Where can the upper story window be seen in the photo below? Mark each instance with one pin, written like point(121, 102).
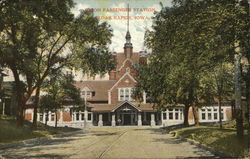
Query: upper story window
point(87, 94)
point(125, 94)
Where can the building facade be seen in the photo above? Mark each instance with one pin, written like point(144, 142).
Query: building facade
point(110, 102)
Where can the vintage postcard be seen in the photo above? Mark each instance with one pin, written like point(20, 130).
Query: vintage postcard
point(124, 79)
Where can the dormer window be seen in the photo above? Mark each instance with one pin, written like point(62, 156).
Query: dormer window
point(125, 94)
point(86, 93)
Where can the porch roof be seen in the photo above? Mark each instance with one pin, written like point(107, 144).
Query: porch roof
point(113, 107)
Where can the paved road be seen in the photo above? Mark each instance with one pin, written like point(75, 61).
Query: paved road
point(110, 143)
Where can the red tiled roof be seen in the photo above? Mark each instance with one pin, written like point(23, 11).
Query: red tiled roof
point(99, 87)
point(102, 107)
point(120, 58)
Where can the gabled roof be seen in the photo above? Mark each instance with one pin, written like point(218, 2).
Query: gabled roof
point(125, 103)
point(120, 58)
point(113, 107)
point(125, 74)
point(100, 88)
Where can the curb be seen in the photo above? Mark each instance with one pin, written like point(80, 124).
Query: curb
point(193, 142)
point(37, 140)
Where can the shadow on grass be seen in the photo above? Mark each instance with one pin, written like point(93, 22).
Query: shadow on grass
point(54, 156)
point(104, 133)
point(10, 133)
point(221, 140)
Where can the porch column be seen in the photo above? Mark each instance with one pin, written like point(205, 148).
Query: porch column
point(139, 119)
point(100, 122)
point(152, 123)
point(113, 119)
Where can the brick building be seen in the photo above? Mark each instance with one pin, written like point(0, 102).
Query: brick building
point(109, 102)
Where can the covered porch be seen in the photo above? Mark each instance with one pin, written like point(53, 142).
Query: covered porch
point(127, 114)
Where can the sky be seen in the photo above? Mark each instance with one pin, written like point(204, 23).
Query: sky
point(114, 12)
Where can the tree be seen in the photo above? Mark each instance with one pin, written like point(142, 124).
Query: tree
point(220, 82)
point(38, 37)
point(188, 42)
point(60, 88)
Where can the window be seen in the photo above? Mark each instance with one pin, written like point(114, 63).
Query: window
point(89, 116)
point(164, 116)
point(176, 114)
point(52, 117)
point(170, 113)
point(215, 116)
point(222, 114)
point(121, 94)
point(88, 93)
point(84, 93)
point(82, 116)
point(209, 114)
point(203, 114)
point(41, 117)
point(131, 93)
point(77, 116)
point(125, 94)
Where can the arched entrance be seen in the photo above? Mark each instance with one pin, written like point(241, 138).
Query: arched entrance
point(126, 114)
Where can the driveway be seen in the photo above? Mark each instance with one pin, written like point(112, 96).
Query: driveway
point(108, 142)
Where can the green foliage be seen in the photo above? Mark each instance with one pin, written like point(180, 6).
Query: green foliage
point(39, 37)
point(190, 41)
point(60, 89)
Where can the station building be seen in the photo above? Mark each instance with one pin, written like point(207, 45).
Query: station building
point(110, 103)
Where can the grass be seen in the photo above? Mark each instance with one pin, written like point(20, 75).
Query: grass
point(10, 133)
point(221, 140)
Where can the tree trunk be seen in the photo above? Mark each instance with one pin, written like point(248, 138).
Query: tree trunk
point(46, 117)
point(186, 110)
point(248, 94)
point(56, 119)
point(195, 113)
point(37, 98)
point(20, 98)
point(248, 103)
point(238, 107)
point(220, 119)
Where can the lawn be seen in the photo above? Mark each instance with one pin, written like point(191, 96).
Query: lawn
point(9, 133)
point(221, 140)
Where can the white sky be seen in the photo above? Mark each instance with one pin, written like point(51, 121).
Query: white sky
point(137, 27)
